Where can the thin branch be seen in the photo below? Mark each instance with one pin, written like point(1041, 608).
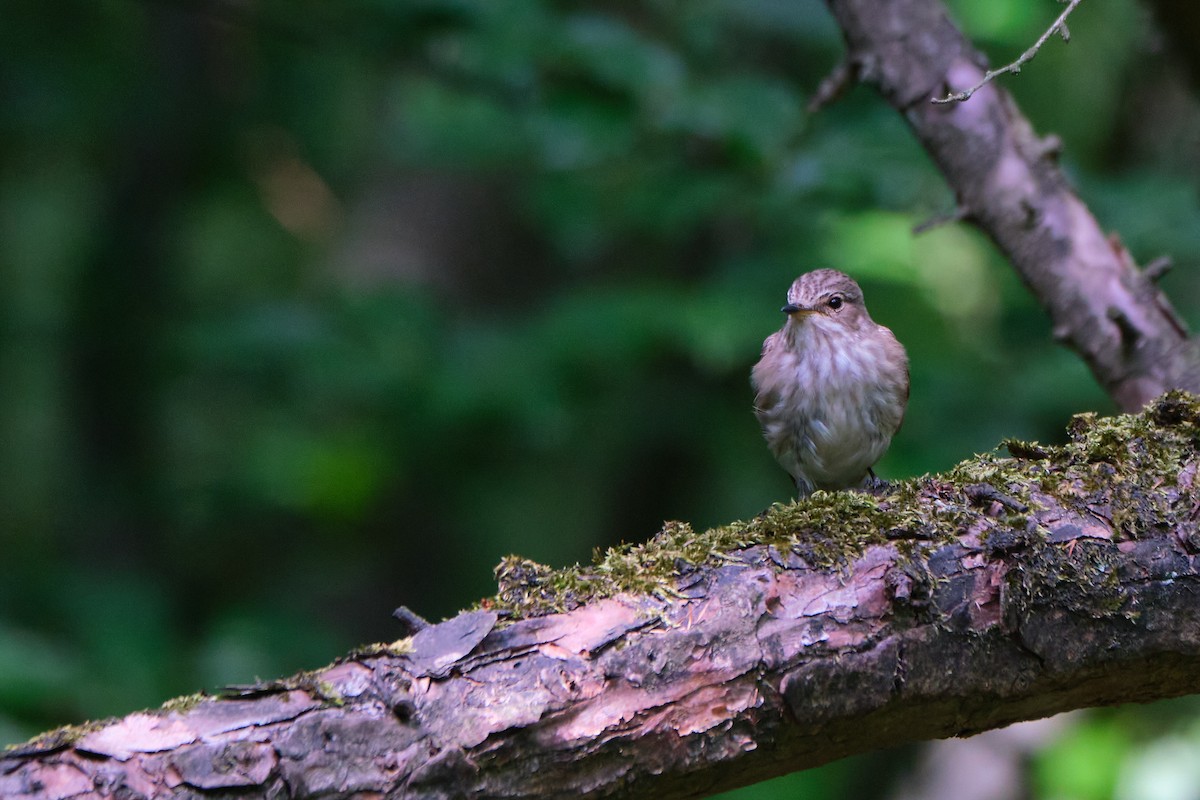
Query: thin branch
point(835, 84)
point(957, 214)
point(1059, 26)
point(1157, 269)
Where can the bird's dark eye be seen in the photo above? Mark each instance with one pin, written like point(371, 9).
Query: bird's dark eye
point(835, 302)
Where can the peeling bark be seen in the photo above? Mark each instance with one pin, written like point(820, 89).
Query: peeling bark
point(1009, 589)
point(1007, 181)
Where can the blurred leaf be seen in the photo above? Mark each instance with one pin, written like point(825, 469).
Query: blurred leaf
point(756, 117)
point(322, 477)
point(873, 244)
point(576, 135)
point(615, 56)
point(439, 126)
point(1165, 769)
point(1013, 23)
point(245, 645)
point(1083, 764)
point(33, 670)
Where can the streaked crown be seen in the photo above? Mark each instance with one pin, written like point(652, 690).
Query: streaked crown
point(811, 289)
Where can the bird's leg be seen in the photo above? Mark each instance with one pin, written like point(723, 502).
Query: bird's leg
point(873, 484)
point(804, 487)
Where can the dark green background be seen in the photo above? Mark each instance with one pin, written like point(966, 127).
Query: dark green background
point(311, 309)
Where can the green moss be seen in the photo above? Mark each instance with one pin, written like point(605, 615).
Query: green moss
point(1134, 459)
point(309, 681)
point(1081, 577)
point(186, 703)
point(58, 738)
point(327, 693)
point(826, 529)
point(396, 648)
point(1029, 451)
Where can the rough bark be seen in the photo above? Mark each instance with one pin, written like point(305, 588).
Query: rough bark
point(1007, 181)
point(1008, 589)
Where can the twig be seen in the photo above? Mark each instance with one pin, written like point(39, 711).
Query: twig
point(835, 84)
point(958, 214)
point(1059, 26)
point(1156, 269)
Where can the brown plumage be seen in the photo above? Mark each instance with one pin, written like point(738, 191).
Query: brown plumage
point(831, 386)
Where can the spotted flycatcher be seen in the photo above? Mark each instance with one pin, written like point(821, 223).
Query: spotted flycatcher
point(831, 386)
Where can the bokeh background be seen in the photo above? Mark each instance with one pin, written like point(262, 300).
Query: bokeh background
point(311, 309)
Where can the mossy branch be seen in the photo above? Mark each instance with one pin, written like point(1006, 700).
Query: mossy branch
point(1012, 587)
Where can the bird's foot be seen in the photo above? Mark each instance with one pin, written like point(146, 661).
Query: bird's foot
point(873, 484)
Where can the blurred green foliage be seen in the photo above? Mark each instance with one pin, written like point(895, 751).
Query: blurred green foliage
point(312, 309)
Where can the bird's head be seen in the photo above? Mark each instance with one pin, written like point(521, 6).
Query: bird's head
point(827, 297)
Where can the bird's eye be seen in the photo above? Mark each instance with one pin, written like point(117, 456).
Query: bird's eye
point(835, 302)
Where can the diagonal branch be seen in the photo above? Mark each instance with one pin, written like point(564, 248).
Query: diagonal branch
point(1008, 589)
point(1008, 183)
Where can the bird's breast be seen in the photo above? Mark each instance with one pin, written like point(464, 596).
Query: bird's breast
point(837, 401)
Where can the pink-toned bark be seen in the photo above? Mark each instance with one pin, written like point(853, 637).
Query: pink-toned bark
point(1007, 181)
point(970, 611)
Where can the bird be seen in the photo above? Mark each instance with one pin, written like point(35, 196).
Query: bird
point(831, 387)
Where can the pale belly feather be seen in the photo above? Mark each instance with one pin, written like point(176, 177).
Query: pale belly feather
point(836, 410)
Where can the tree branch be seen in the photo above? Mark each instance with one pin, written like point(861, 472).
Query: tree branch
point(1008, 589)
point(1060, 25)
point(1010, 185)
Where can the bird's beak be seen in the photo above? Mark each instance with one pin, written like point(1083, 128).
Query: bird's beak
point(792, 308)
